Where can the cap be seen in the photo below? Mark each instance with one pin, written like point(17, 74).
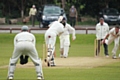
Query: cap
point(101, 18)
point(24, 28)
point(60, 18)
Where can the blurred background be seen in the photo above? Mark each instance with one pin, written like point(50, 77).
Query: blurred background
point(88, 10)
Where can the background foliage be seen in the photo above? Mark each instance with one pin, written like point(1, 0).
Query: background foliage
point(20, 8)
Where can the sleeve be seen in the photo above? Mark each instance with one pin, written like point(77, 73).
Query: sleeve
point(107, 28)
point(50, 24)
point(111, 31)
point(30, 12)
point(33, 39)
point(70, 28)
point(96, 31)
point(76, 12)
point(15, 40)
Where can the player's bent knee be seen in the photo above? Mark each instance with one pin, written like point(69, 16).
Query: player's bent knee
point(13, 61)
point(36, 62)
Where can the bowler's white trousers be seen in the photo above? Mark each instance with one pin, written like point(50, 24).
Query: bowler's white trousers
point(64, 44)
point(116, 43)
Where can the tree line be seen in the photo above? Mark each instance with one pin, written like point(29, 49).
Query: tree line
point(20, 8)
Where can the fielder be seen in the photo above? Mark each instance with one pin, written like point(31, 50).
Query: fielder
point(114, 34)
point(55, 28)
point(65, 39)
point(24, 44)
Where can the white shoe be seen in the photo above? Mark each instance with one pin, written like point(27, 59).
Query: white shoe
point(107, 56)
point(10, 78)
point(40, 78)
point(61, 56)
point(114, 57)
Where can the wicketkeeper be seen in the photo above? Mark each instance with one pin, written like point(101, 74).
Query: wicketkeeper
point(24, 45)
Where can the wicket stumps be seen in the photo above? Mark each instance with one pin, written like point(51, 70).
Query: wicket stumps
point(44, 53)
point(97, 52)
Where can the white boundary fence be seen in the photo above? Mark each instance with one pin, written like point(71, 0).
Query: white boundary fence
point(42, 30)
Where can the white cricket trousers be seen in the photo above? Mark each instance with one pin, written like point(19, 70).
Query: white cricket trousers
point(116, 43)
point(50, 39)
point(25, 48)
point(64, 44)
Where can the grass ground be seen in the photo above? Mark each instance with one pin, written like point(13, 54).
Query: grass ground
point(81, 54)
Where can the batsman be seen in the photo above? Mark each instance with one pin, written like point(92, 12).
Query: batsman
point(55, 29)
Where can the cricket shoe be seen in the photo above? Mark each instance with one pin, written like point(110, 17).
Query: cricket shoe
point(10, 78)
point(107, 56)
point(48, 61)
point(114, 57)
point(40, 78)
point(61, 56)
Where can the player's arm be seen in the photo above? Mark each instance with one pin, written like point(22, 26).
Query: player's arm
point(103, 41)
point(15, 40)
point(97, 32)
point(70, 28)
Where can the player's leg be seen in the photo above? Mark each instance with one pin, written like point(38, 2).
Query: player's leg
point(66, 46)
point(37, 62)
point(51, 48)
point(12, 63)
point(61, 46)
point(116, 45)
point(106, 50)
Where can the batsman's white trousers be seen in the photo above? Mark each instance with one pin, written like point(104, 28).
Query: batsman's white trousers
point(50, 40)
point(116, 43)
point(64, 44)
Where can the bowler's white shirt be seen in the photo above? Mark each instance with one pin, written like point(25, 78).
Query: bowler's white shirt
point(68, 29)
point(24, 36)
point(112, 32)
point(101, 30)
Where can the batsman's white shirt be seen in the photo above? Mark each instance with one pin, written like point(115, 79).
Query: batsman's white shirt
point(101, 30)
point(55, 28)
point(65, 36)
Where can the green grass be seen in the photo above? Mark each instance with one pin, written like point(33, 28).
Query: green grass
point(83, 46)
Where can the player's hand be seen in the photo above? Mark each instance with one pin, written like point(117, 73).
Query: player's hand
point(73, 38)
point(103, 41)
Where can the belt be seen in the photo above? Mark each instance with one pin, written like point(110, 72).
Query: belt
point(24, 40)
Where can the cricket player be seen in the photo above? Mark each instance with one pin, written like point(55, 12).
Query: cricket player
point(114, 34)
point(65, 39)
point(55, 28)
point(24, 44)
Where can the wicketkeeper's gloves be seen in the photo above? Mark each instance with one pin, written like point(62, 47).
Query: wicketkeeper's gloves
point(23, 60)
